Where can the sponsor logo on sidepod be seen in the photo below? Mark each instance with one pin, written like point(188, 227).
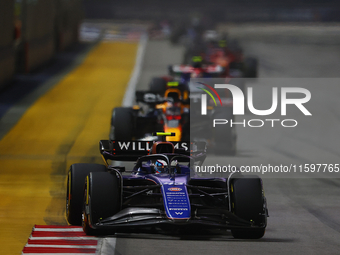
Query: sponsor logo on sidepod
point(174, 189)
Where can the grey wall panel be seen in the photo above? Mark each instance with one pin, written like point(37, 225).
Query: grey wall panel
point(6, 41)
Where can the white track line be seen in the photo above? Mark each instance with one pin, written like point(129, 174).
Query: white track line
point(130, 90)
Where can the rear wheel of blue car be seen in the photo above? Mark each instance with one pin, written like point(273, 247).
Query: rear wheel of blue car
point(101, 199)
point(247, 202)
point(75, 185)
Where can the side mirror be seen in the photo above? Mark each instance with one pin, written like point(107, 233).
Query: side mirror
point(105, 145)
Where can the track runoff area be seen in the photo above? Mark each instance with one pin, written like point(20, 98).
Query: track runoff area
point(62, 127)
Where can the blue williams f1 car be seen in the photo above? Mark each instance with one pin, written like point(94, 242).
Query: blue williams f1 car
point(162, 192)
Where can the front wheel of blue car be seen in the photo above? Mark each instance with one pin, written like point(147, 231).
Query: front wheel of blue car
point(248, 203)
point(75, 183)
point(101, 199)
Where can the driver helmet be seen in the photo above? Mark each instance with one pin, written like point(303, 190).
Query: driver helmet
point(160, 166)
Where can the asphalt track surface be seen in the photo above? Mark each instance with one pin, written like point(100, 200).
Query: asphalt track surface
point(304, 213)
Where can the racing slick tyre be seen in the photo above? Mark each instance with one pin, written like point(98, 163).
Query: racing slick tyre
point(251, 67)
point(158, 85)
point(101, 199)
point(122, 124)
point(247, 202)
point(75, 187)
point(224, 135)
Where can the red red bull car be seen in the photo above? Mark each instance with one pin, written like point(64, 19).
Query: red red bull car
point(168, 113)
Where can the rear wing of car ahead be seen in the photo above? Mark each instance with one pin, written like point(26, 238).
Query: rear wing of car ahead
point(149, 97)
point(186, 69)
point(131, 150)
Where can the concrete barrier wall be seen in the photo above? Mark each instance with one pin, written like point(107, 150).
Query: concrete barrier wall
point(6, 41)
point(219, 10)
point(67, 22)
point(50, 26)
point(38, 36)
